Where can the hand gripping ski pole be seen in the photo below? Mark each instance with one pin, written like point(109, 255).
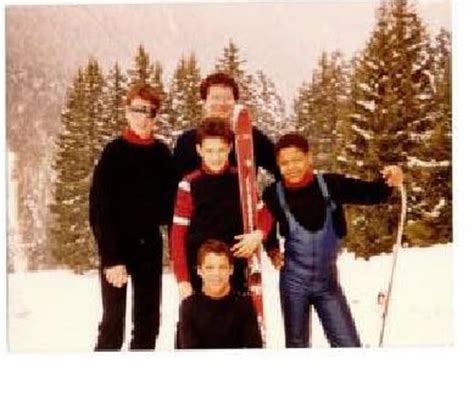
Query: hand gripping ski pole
point(396, 249)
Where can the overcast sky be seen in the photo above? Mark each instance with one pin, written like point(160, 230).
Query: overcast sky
point(283, 39)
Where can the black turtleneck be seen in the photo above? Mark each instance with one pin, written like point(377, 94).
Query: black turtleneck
point(228, 322)
point(130, 197)
point(216, 203)
point(308, 207)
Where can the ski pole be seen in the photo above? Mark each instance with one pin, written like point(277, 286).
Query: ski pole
point(396, 249)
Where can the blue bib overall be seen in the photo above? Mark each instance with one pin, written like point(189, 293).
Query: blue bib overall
point(309, 278)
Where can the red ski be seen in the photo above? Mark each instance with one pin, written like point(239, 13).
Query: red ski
point(248, 200)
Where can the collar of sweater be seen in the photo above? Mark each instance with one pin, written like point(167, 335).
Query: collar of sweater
point(131, 137)
point(208, 171)
point(306, 180)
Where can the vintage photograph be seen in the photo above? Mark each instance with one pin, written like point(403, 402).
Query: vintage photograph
point(188, 176)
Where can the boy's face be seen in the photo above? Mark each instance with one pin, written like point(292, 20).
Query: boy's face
point(219, 102)
point(294, 164)
point(141, 116)
point(214, 153)
point(215, 271)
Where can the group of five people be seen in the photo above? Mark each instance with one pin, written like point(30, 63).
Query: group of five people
point(139, 185)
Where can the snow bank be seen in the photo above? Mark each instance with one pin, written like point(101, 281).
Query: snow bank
point(57, 310)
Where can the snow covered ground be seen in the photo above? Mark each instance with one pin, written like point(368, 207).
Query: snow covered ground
point(56, 310)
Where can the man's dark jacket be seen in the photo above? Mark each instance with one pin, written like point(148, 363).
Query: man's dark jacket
point(187, 160)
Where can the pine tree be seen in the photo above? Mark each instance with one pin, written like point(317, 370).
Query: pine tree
point(320, 110)
point(442, 81)
point(113, 119)
point(142, 69)
point(435, 161)
point(270, 107)
point(303, 108)
point(96, 127)
point(233, 65)
point(270, 117)
point(185, 107)
point(391, 118)
point(163, 126)
point(193, 110)
point(370, 97)
point(77, 148)
point(156, 79)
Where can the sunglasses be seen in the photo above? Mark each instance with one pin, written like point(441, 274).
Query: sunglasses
point(150, 112)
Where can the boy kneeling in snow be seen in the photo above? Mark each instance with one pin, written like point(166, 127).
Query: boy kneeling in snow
point(217, 317)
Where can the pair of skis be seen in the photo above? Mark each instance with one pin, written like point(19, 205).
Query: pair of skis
point(242, 125)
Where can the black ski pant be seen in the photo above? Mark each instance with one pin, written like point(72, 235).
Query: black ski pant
point(146, 280)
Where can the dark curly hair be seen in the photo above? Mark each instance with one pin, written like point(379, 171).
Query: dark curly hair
point(214, 127)
point(213, 246)
point(292, 139)
point(219, 79)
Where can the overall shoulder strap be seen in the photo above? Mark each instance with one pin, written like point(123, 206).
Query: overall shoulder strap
point(324, 189)
point(281, 198)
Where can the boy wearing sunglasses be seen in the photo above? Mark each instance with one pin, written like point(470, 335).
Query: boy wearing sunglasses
point(130, 197)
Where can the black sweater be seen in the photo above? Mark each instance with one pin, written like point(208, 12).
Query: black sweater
point(187, 160)
point(130, 197)
point(308, 207)
point(229, 322)
point(217, 213)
